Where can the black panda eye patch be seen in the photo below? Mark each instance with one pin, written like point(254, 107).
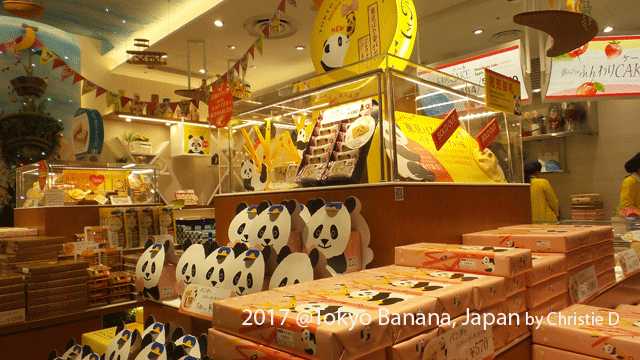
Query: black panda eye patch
point(193, 270)
point(144, 266)
point(241, 228)
point(339, 40)
point(262, 231)
point(334, 232)
point(153, 268)
point(249, 281)
point(210, 272)
point(221, 275)
point(236, 278)
point(275, 232)
point(283, 282)
point(184, 268)
point(317, 231)
point(327, 48)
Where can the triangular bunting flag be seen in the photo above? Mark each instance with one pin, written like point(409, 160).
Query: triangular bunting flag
point(259, 44)
point(100, 91)
point(37, 44)
point(196, 103)
point(151, 107)
point(112, 98)
point(266, 30)
point(45, 55)
point(293, 3)
point(173, 106)
point(236, 67)
point(184, 107)
point(124, 101)
point(57, 62)
point(87, 87)
point(252, 52)
point(77, 77)
point(244, 63)
point(282, 5)
point(67, 72)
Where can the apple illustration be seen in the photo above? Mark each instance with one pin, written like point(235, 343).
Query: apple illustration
point(613, 49)
point(579, 51)
point(590, 88)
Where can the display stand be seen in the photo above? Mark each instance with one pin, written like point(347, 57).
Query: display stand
point(168, 312)
point(401, 213)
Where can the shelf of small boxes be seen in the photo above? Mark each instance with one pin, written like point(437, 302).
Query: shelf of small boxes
point(107, 287)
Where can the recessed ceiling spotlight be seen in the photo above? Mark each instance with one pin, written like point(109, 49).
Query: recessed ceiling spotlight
point(231, 47)
point(66, 58)
point(124, 21)
point(299, 47)
point(478, 31)
point(535, 91)
point(607, 29)
point(252, 66)
point(106, 9)
point(164, 56)
point(168, 123)
point(218, 23)
point(127, 119)
point(202, 71)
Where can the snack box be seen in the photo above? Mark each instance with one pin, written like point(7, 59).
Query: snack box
point(11, 279)
point(488, 291)
point(579, 257)
point(17, 244)
point(55, 309)
point(540, 352)
point(598, 232)
point(337, 325)
point(516, 284)
point(12, 297)
point(9, 289)
point(603, 264)
point(487, 260)
point(603, 249)
point(56, 291)
point(69, 278)
point(13, 305)
point(54, 267)
point(503, 335)
point(555, 304)
point(536, 239)
point(12, 316)
point(542, 292)
point(6, 232)
point(615, 296)
point(602, 333)
point(414, 348)
point(56, 298)
point(516, 303)
point(606, 278)
point(545, 266)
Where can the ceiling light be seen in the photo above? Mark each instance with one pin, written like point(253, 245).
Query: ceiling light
point(49, 99)
point(535, 91)
point(202, 71)
point(128, 119)
point(106, 9)
point(231, 47)
point(607, 29)
point(218, 23)
point(299, 47)
point(252, 66)
point(164, 56)
point(168, 123)
point(478, 31)
point(124, 21)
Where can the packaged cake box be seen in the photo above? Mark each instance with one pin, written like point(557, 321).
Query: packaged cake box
point(545, 266)
point(579, 257)
point(538, 240)
point(487, 260)
point(318, 325)
point(487, 290)
point(592, 331)
point(540, 352)
point(546, 290)
point(516, 303)
point(516, 284)
point(604, 264)
point(602, 249)
point(598, 232)
point(555, 304)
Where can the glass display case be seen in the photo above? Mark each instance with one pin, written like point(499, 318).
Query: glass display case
point(86, 183)
point(367, 123)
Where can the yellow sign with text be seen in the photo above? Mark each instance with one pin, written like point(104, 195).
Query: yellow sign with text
point(502, 93)
point(459, 159)
point(96, 180)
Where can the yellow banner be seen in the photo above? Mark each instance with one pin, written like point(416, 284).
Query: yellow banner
point(502, 93)
point(96, 180)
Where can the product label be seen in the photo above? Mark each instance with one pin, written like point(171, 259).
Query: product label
point(543, 244)
point(502, 93)
point(470, 342)
point(467, 264)
point(583, 284)
point(629, 261)
point(488, 134)
point(286, 338)
point(448, 127)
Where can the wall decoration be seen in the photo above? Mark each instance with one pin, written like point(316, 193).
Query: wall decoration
point(87, 131)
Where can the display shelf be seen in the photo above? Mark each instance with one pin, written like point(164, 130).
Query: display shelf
point(555, 135)
point(152, 120)
point(515, 348)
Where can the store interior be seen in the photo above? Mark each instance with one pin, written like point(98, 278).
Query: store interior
point(320, 179)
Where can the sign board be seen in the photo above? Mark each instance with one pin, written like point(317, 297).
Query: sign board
point(629, 261)
point(468, 342)
point(220, 105)
point(583, 284)
point(502, 93)
point(488, 134)
point(446, 129)
point(506, 60)
point(604, 67)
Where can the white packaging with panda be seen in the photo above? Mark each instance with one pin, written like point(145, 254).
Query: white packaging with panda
point(155, 277)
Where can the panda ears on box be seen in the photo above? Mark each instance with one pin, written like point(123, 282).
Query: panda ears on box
point(86, 350)
point(351, 203)
point(264, 205)
point(202, 341)
point(186, 244)
point(314, 205)
point(177, 334)
point(190, 136)
point(146, 340)
point(149, 321)
point(314, 256)
point(209, 247)
point(239, 248)
point(70, 344)
point(148, 244)
point(119, 327)
point(135, 334)
point(178, 353)
point(241, 207)
point(53, 355)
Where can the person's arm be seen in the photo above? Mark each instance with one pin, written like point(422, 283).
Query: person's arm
point(551, 197)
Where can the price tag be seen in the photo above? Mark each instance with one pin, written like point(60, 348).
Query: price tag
point(488, 134)
point(446, 129)
point(198, 300)
point(583, 284)
point(629, 261)
point(470, 342)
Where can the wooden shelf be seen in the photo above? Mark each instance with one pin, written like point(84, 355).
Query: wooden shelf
point(555, 135)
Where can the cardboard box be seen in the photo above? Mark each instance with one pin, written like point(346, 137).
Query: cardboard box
point(14, 316)
point(538, 240)
point(222, 345)
point(545, 266)
point(54, 267)
point(45, 284)
point(542, 292)
point(606, 278)
point(555, 304)
point(579, 257)
point(606, 263)
point(516, 284)
point(12, 297)
point(600, 335)
point(598, 233)
point(487, 290)
point(8, 289)
point(486, 260)
point(540, 352)
point(11, 279)
point(6, 232)
point(56, 309)
point(60, 297)
point(56, 291)
point(13, 305)
point(615, 296)
point(516, 303)
point(602, 249)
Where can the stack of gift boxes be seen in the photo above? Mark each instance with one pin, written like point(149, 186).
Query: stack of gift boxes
point(12, 302)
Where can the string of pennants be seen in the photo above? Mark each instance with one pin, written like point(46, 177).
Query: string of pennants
point(240, 67)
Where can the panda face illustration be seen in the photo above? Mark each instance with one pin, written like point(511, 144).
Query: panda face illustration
point(247, 169)
point(365, 334)
point(320, 310)
point(301, 139)
point(294, 269)
point(197, 144)
point(150, 264)
point(240, 225)
point(454, 275)
point(489, 264)
point(419, 284)
point(120, 347)
point(382, 298)
point(190, 264)
point(273, 227)
point(217, 271)
point(334, 50)
point(610, 350)
point(91, 356)
point(329, 228)
point(249, 276)
point(309, 341)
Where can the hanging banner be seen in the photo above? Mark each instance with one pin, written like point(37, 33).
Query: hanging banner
point(604, 67)
point(220, 105)
point(506, 60)
point(502, 93)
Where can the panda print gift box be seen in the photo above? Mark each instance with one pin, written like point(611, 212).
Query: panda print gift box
point(507, 262)
point(538, 240)
point(599, 332)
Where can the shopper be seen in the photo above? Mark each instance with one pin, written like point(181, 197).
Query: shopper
point(630, 189)
point(544, 202)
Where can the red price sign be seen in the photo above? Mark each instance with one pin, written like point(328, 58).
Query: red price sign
point(488, 134)
point(446, 129)
point(220, 105)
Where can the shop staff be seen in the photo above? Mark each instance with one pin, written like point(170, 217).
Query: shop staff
point(630, 189)
point(544, 202)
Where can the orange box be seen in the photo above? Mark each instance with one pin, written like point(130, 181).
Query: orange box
point(598, 233)
point(579, 257)
point(546, 266)
point(556, 304)
point(486, 260)
point(608, 262)
point(602, 249)
point(516, 284)
point(542, 292)
point(516, 303)
point(536, 239)
point(540, 352)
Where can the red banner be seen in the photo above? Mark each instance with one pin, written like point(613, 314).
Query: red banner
point(220, 105)
point(488, 134)
point(446, 129)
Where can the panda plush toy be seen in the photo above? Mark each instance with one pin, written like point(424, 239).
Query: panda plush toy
point(149, 267)
point(409, 166)
point(251, 180)
point(197, 144)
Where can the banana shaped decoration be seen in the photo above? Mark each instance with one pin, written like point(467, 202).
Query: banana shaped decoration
point(27, 40)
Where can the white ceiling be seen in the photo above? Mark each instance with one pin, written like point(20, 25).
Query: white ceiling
point(446, 32)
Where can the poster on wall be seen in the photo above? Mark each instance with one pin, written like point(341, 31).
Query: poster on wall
point(506, 60)
point(604, 67)
point(502, 93)
point(220, 105)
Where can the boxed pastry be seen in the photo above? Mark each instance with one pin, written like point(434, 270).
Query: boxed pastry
point(414, 348)
point(544, 291)
point(337, 325)
point(591, 331)
point(608, 262)
point(516, 284)
point(56, 297)
point(10, 279)
point(606, 278)
point(555, 304)
point(579, 257)
point(6, 232)
point(55, 309)
point(598, 232)
point(602, 249)
point(12, 316)
point(487, 290)
point(54, 267)
point(9, 289)
point(516, 303)
point(538, 240)
point(615, 296)
point(72, 276)
point(488, 260)
point(545, 266)
point(540, 352)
